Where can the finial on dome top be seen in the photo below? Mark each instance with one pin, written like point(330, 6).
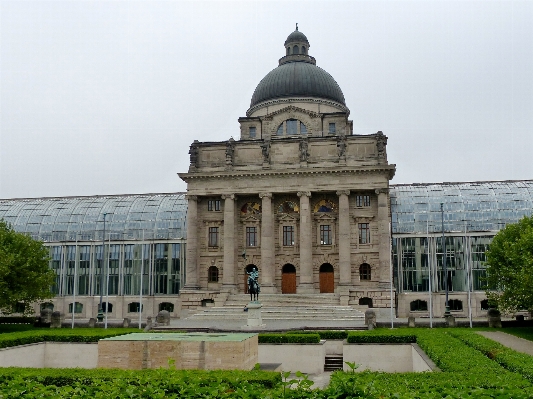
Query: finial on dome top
point(296, 25)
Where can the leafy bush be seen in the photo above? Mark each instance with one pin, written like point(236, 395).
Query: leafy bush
point(289, 338)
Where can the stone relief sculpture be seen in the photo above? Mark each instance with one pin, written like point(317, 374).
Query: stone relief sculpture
point(193, 152)
point(341, 146)
point(265, 149)
point(304, 154)
point(230, 151)
point(381, 143)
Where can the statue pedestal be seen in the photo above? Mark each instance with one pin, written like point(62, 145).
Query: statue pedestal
point(254, 317)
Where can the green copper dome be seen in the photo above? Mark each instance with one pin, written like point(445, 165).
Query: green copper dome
point(297, 79)
point(297, 76)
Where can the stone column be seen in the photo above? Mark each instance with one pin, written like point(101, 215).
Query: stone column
point(267, 244)
point(306, 245)
point(383, 274)
point(228, 273)
point(345, 272)
point(191, 265)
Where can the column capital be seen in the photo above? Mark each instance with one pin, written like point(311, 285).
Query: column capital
point(267, 195)
point(304, 193)
point(341, 192)
point(228, 196)
point(382, 190)
point(191, 197)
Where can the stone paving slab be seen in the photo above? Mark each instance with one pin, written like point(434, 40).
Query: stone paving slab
point(511, 341)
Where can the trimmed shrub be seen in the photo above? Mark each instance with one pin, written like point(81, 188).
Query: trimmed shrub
point(289, 338)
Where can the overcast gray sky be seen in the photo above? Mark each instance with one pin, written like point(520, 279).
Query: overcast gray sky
point(104, 97)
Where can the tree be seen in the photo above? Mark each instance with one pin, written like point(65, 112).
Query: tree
point(510, 267)
point(25, 276)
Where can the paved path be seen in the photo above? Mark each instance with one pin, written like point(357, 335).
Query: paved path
point(511, 341)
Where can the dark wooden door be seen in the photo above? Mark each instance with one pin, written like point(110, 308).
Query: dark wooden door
point(288, 283)
point(326, 282)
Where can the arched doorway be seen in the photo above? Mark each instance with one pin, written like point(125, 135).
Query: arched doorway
point(288, 279)
point(327, 284)
point(248, 269)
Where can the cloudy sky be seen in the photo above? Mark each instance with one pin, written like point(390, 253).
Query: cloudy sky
point(104, 97)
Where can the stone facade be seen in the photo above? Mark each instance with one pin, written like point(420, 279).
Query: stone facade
point(299, 196)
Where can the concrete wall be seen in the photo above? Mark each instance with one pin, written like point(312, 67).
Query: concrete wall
point(307, 358)
point(390, 358)
point(51, 354)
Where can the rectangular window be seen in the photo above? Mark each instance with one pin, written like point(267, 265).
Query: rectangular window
point(252, 132)
point(213, 205)
point(325, 234)
point(362, 200)
point(213, 236)
point(251, 236)
point(364, 233)
point(288, 236)
point(332, 128)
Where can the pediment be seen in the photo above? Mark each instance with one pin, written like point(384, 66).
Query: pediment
point(291, 109)
point(288, 217)
point(251, 219)
point(325, 216)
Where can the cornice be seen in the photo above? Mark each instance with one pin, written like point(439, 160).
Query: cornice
point(268, 103)
point(390, 169)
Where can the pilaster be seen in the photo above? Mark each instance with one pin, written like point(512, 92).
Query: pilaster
point(383, 275)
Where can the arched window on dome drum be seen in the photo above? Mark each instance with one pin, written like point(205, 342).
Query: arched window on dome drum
point(295, 50)
point(292, 127)
point(288, 51)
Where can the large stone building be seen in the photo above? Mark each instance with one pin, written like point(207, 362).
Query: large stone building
point(303, 198)
point(300, 197)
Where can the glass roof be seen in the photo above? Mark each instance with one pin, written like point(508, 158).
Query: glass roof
point(476, 206)
point(129, 217)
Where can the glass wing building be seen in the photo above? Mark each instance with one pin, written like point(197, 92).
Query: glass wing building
point(145, 239)
point(144, 242)
point(470, 216)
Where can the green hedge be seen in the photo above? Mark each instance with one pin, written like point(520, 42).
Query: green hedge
point(508, 358)
point(17, 320)
point(357, 338)
point(60, 335)
point(289, 338)
point(324, 334)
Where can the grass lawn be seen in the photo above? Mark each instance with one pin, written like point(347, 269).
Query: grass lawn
point(522, 332)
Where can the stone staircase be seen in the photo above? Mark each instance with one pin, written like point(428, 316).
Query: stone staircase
point(283, 307)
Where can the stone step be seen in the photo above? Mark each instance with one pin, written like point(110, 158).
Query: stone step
point(322, 312)
point(332, 363)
